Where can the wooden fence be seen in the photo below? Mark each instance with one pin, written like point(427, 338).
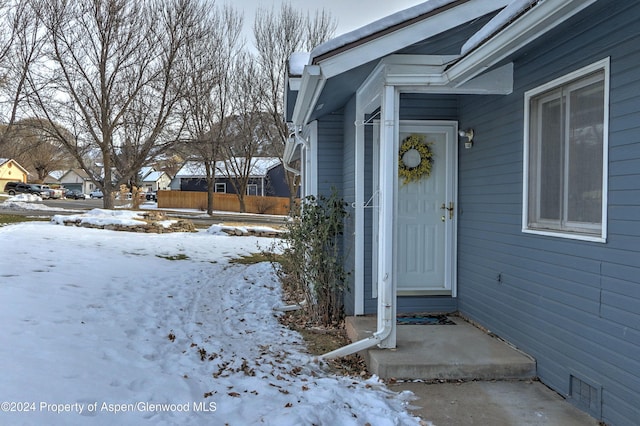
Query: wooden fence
point(222, 202)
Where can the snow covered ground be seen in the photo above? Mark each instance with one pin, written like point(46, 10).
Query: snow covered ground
point(103, 327)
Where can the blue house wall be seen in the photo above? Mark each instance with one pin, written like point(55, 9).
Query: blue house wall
point(573, 305)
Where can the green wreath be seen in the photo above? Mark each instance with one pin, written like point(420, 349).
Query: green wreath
point(415, 159)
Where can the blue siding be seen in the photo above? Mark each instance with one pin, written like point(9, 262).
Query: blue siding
point(330, 153)
point(574, 306)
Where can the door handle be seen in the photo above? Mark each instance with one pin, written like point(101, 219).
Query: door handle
point(449, 209)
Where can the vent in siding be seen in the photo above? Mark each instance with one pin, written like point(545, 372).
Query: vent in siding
point(586, 395)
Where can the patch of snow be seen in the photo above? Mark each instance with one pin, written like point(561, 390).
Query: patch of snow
point(297, 62)
point(166, 223)
point(262, 229)
point(103, 327)
point(503, 18)
point(26, 198)
point(102, 217)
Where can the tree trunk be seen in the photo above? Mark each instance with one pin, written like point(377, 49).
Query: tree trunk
point(243, 208)
point(210, 186)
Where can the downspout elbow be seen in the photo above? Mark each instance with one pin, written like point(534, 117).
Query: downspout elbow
point(361, 345)
point(299, 140)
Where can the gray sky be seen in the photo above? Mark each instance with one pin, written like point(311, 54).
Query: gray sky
point(350, 14)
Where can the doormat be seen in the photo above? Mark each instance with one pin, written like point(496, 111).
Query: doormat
point(424, 320)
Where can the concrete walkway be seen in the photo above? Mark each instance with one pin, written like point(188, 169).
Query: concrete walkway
point(495, 382)
point(498, 403)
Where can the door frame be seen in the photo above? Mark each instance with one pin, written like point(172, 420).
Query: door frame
point(451, 190)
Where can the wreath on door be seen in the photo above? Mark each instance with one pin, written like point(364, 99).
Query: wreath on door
point(415, 159)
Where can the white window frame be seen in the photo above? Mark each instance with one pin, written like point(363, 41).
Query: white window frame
point(222, 185)
point(252, 185)
point(603, 65)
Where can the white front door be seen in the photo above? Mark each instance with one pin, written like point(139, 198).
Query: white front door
point(425, 232)
point(425, 216)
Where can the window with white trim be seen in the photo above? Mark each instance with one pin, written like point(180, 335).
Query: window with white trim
point(565, 155)
point(252, 189)
point(221, 187)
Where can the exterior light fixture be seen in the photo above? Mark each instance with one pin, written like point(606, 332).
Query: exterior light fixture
point(469, 135)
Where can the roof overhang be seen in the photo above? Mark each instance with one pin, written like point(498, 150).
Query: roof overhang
point(376, 46)
point(427, 74)
point(538, 20)
point(481, 70)
point(323, 65)
point(311, 85)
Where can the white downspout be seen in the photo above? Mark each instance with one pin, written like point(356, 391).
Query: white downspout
point(385, 336)
point(299, 141)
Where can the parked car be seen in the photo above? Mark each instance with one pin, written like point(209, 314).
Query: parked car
point(74, 194)
point(13, 188)
point(40, 190)
point(151, 196)
point(53, 192)
point(96, 194)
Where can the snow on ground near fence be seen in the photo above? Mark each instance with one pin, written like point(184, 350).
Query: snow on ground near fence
point(104, 327)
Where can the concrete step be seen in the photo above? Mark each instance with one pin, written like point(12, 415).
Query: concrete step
point(449, 352)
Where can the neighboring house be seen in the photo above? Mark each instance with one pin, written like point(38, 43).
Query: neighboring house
point(191, 171)
point(529, 222)
point(53, 178)
point(77, 179)
point(267, 178)
point(153, 180)
point(11, 171)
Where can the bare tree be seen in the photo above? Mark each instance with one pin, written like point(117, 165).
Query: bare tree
point(247, 134)
point(277, 36)
point(20, 48)
point(207, 105)
point(33, 146)
point(115, 80)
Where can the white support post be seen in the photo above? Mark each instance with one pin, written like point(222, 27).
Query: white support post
point(386, 247)
point(359, 214)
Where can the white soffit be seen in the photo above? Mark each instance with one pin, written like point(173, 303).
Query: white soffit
point(426, 74)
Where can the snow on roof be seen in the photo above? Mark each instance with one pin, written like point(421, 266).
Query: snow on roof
point(144, 171)
point(379, 25)
point(501, 20)
point(153, 177)
point(190, 169)
point(56, 174)
point(3, 160)
point(259, 166)
point(297, 61)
